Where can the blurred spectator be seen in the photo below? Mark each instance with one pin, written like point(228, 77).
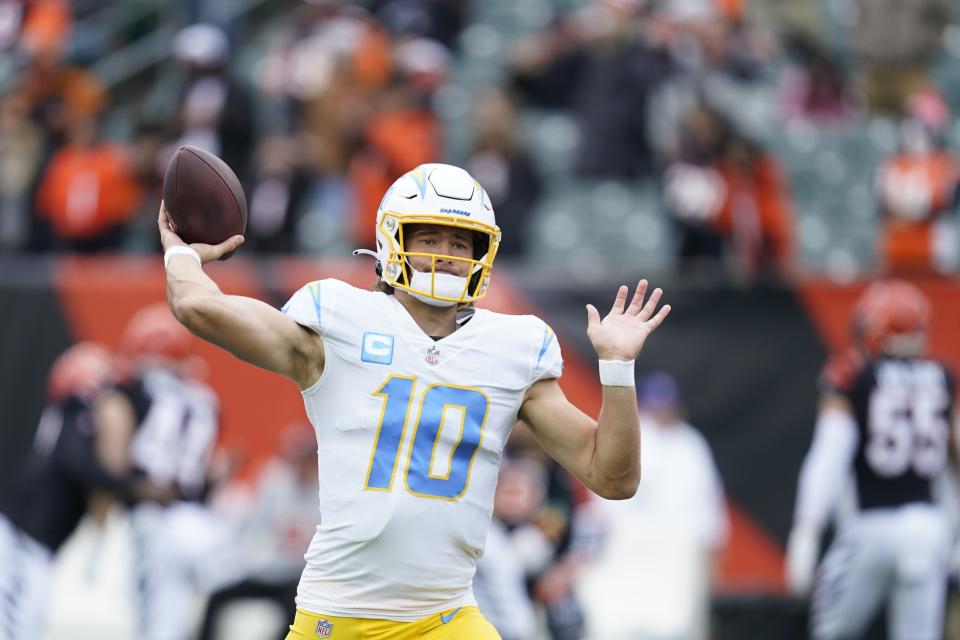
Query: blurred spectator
point(788, 19)
point(322, 68)
point(11, 20)
point(35, 25)
point(88, 192)
point(148, 151)
point(815, 87)
point(440, 20)
point(402, 133)
point(326, 73)
point(275, 533)
point(504, 169)
point(715, 55)
point(917, 193)
point(21, 153)
point(59, 95)
point(705, 36)
point(728, 199)
point(277, 196)
point(895, 41)
point(653, 574)
point(598, 62)
point(215, 110)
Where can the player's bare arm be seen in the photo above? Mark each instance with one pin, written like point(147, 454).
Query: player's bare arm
point(248, 328)
point(605, 453)
point(116, 421)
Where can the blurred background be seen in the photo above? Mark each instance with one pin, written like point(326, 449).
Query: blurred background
point(761, 160)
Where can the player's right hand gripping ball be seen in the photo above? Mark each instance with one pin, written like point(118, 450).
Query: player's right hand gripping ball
point(203, 198)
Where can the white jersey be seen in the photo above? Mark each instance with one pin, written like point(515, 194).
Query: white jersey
point(410, 434)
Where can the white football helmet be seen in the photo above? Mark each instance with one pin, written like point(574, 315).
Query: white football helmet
point(445, 195)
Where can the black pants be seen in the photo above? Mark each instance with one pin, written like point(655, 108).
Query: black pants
point(282, 594)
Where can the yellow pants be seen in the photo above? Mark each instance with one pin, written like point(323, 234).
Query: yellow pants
point(464, 623)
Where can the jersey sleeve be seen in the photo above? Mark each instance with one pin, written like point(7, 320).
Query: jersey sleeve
point(75, 457)
point(547, 360)
point(826, 466)
point(840, 373)
point(310, 306)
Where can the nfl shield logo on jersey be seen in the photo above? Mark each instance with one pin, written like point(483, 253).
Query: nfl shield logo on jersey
point(324, 629)
point(433, 355)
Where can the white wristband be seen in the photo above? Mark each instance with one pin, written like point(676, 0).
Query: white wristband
point(180, 250)
point(616, 373)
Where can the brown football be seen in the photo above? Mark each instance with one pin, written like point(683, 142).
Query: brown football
point(203, 197)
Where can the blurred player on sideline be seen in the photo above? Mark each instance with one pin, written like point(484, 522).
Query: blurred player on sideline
point(652, 576)
point(274, 532)
point(174, 420)
point(885, 417)
point(412, 394)
point(75, 455)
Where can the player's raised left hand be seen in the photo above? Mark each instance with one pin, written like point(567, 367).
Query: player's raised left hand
point(621, 334)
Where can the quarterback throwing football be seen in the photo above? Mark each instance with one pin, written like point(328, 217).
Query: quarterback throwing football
point(412, 393)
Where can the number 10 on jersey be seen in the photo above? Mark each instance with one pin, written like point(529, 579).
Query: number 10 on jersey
point(398, 398)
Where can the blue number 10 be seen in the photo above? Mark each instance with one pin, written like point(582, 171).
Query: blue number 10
point(397, 392)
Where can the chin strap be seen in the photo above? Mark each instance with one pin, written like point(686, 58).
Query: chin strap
point(368, 252)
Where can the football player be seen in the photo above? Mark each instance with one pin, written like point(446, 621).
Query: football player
point(174, 420)
point(75, 456)
point(885, 418)
point(412, 393)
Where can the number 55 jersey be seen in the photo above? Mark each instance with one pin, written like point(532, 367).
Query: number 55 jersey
point(410, 432)
point(902, 410)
